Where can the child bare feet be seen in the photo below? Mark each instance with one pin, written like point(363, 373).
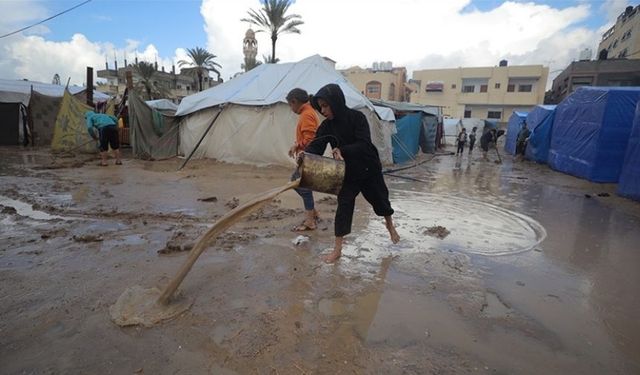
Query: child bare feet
point(336, 253)
point(332, 257)
point(395, 237)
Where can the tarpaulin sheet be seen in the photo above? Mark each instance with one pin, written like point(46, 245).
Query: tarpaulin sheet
point(629, 185)
point(591, 130)
point(513, 128)
point(70, 132)
point(154, 135)
point(428, 136)
point(43, 110)
point(407, 139)
point(540, 122)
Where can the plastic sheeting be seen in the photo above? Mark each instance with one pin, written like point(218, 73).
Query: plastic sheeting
point(70, 132)
point(591, 131)
point(43, 110)
point(629, 185)
point(154, 135)
point(164, 105)
point(428, 136)
point(540, 122)
point(513, 128)
point(407, 140)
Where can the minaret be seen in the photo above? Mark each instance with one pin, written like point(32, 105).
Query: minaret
point(250, 50)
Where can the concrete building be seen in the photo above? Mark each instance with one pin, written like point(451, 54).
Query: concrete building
point(177, 85)
point(622, 40)
point(618, 72)
point(381, 81)
point(483, 92)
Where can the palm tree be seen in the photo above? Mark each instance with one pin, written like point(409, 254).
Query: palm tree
point(273, 19)
point(146, 72)
point(201, 62)
point(269, 59)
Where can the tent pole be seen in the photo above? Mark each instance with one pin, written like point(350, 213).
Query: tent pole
point(201, 139)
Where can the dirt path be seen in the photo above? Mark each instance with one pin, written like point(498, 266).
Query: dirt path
point(80, 235)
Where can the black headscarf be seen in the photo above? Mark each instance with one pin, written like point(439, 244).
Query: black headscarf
point(348, 130)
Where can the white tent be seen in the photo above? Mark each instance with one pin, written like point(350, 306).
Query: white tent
point(164, 105)
point(453, 126)
point(19, 91)
point(255, 124)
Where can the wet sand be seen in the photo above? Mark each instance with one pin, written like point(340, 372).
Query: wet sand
point(533, 277)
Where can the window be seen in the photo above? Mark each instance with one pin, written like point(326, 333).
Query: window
point(615, 43)
point(511, 87)
point(623, 53)
point(524, 88)
point(497, 86)
point(483, 88)
point(468, 88)
point(453, 85)
point(373, 89)
point(435, 86)
point(467, 113)
point(494, 114)
point(392, 91)
point(179, 87)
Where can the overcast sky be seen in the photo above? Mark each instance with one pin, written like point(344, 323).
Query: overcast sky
point(417, 34)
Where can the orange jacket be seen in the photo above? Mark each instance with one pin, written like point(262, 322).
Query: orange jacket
point(307, 126)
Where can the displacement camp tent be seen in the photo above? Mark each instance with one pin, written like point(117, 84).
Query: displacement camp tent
point(591, 131)
point(540, 122)
point(41, 101)
point(416, 127)
point(629, 184)
point(70, 132)
point(388, 121)
point(514, 126)
point(255, 124)
point(154, 135)
point(165, 106)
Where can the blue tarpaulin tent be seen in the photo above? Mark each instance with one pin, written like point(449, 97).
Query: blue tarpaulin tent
point(591, 130)
point(629, 185)
point(406, 141)
point(513, 128)
point(540, 122)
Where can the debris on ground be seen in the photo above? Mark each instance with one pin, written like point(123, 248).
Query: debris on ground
point(208, 199)
point(8, 210)
point(233, 203)
point(328, 200)
point(437, 231)
point(300, 240)
point(88, 238)
point(177, 243)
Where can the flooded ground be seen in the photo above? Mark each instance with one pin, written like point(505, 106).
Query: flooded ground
point(502, 269)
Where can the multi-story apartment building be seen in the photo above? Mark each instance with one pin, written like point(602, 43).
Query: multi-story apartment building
point(382, 81)
point(622, 40)
point(176, 85)
point(483, 92)
point(618, 72)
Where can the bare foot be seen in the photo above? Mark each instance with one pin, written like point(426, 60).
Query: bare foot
point(332, 257)
point(395, 237)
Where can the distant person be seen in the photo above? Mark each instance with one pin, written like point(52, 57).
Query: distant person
point(472, 138)
point(105, 128)
point(488, 140)
point(462, 139)
point(347, 131)
point(298, 100)
point(522, 140)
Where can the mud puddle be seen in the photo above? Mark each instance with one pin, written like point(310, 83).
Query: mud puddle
point(26, 210)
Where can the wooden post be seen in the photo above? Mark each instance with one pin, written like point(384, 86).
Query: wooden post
point(89, 90)
point(129, 77)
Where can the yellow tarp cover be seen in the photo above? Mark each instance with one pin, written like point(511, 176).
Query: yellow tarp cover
point(70, 132)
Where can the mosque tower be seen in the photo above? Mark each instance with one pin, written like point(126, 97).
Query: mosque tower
point(250, 50)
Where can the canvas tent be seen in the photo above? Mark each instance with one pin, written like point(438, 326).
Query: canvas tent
point(629, 184)
point(255, 124)
point(540, 122)
point(163, 105)
point(154, 135)
point(591, 131)
point(388, 121)
point(453, 126)
point(416, 127)
point(42, 101)
point(516, 121)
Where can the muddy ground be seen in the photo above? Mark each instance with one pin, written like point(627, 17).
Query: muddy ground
point(502, 269)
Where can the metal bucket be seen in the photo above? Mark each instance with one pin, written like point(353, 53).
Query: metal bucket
point(321, 174)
